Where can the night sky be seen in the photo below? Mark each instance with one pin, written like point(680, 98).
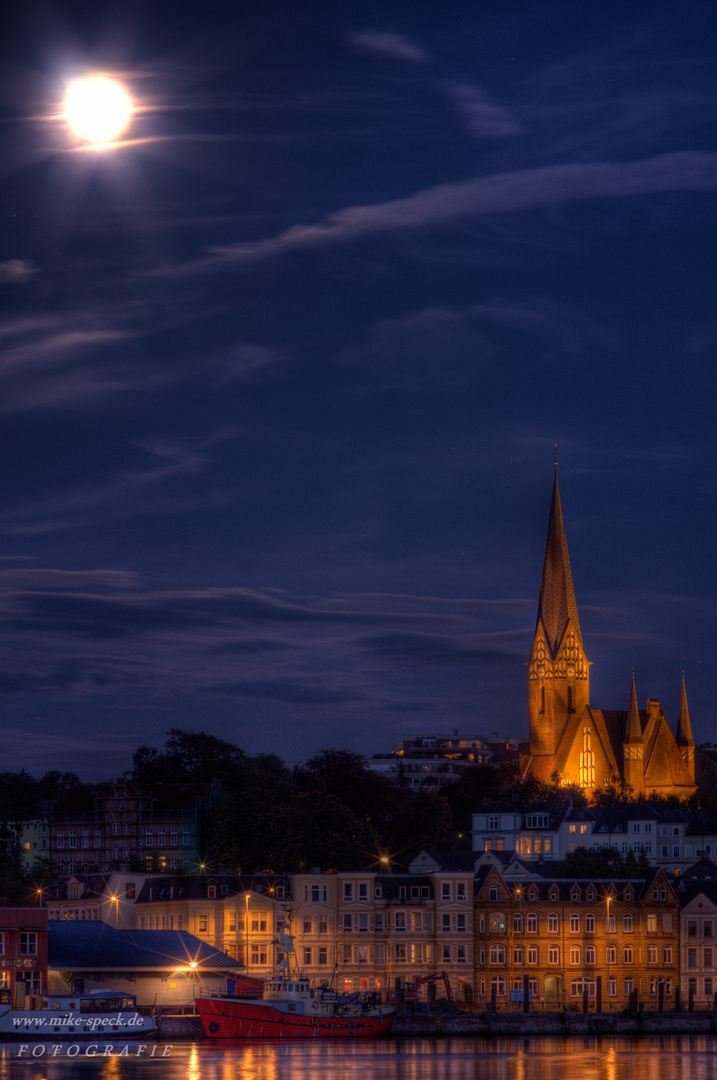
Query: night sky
point(282, 370)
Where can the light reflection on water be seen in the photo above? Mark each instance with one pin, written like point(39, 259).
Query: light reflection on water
point(594, 1058)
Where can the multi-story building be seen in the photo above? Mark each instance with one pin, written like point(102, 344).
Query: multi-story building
point(242, 916)
point(108, 898)
point(35, 842)
point(432, 759)
point(698, 933)
point(669, 838)
point(23, 953)
point(606, 938)
point(532, 830)
point(122, 825)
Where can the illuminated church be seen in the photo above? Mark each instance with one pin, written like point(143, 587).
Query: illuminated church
point(587, 746)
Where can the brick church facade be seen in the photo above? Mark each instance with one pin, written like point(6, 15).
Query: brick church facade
point(584, 745)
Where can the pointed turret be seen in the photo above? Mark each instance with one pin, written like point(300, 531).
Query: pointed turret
point(684, 733)
point(558, 668)
point(557, 605)
point(633, 746)
point(633, 727)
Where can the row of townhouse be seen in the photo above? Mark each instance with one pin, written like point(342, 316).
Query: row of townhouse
point(359, 930)
point(672, 839)
point(489, 921)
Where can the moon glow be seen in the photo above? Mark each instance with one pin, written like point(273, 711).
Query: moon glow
point(98, 108)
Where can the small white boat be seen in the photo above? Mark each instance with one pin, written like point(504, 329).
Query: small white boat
point(71, 1016)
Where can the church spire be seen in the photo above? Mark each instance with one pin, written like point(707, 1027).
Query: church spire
point(683, 737)
point(557, 603)
point(633, 727)
point(558, 669)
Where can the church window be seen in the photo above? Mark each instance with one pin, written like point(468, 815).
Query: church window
point(542, 699)
point(570, 699)
point(587, 762)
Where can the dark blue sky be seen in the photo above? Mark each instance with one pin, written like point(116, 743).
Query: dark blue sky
point(281, 373)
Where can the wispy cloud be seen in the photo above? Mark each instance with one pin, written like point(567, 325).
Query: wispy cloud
point(483, 117)
point(447, 346)
point(395, 46)
point(132, 493)
point(17, 271)
point(500, 193)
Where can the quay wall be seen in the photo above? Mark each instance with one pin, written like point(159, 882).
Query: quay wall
point(505, 1025)
point(555, 1023)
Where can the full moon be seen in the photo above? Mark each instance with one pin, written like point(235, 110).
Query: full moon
point(97, 108)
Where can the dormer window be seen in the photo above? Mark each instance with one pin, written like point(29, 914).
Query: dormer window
point(212, 892)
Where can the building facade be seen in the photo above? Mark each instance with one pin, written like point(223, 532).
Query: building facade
point(602, 938)
point(670, 838)
point(122, 826)
point(23, 954)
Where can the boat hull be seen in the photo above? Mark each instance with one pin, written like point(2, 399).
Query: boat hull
point(224, 1018)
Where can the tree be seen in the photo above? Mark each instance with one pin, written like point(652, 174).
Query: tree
point(604, 862)
point(19, 803)
point(188, 756)
point(426, 821)
point(241, 827)
point(316, 829)
point(371, 797)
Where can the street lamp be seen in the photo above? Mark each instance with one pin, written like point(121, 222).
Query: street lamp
point(519, 890)
point(246, 931)
point(115, 901)
point(608, 949)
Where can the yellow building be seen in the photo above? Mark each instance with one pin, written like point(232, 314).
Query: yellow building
point(604, 938)
point(584, 745)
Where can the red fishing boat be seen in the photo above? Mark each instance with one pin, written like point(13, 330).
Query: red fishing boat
point(290, 1009)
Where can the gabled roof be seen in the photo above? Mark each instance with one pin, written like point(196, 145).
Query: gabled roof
point(571, 732)
point(702, 870)
point(662, 756)
point(78, 945)
point(454, 861)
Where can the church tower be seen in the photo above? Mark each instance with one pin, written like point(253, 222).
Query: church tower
point(558, 669)
point(684, 738)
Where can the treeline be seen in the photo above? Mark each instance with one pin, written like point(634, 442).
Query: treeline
point(331, 811)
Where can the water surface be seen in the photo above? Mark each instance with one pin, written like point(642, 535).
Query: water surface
point(593, 1058)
